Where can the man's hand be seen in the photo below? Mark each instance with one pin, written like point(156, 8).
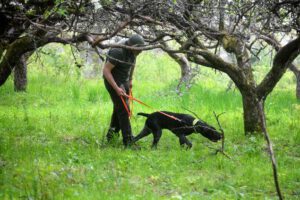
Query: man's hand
point(120, 91)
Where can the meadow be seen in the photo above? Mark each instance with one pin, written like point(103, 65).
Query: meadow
point(53, 145)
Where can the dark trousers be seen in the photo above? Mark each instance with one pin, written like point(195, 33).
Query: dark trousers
point(119, 119)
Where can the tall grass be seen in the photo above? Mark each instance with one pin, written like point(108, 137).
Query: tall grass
point(52, 140)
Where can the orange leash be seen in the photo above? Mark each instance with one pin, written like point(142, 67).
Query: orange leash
point(130, 97)
point(131, 102)
point(129, 111)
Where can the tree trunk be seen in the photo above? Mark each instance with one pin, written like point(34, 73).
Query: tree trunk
point(251, 107)
point(186, 72)
point(298, 86)
point(296, 71)
point(13, 55)
point(252, 121)
point(16, 49)
point(20, 75)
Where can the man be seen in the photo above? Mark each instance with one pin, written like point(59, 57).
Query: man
point(117, 73)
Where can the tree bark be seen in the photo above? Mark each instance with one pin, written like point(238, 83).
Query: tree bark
point(20, 75)
point(252, 121)
point(247, 87)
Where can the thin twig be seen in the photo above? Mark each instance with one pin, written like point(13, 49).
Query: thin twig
point(223, 136)
point(270, 148)
point(219, 151)
point(192, 112)
point(221, 129)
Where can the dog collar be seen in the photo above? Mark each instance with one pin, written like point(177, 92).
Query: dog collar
point(195, 122)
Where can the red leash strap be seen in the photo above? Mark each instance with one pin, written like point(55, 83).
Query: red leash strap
point(139, 101)
point(125, 105)
point(130, 112)
point(131, 102)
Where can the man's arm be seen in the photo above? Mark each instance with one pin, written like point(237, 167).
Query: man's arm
point(109, 77)
point(131, 75)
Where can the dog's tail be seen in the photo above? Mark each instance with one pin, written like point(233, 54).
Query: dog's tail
point(144, 114)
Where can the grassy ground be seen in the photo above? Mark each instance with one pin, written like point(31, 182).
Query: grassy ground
point(52, 140)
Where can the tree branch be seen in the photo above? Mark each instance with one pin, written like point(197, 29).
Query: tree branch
point(270, 151)
point(282, 61)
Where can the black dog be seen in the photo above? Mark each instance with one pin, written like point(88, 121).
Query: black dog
point(182, 126)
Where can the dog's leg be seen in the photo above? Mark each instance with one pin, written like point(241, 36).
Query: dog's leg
point(183, 140)
point(156, 136)
point(146, 131)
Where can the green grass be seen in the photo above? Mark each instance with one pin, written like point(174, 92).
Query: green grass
point(52, 140)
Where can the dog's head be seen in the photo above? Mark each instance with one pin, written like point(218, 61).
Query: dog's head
point(206, 130)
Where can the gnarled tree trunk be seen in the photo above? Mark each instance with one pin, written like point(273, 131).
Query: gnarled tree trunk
point(186, 71)
point(20, 75)
point(252, 121)
point(296, 71)
point(247, 85)
point(13, 55)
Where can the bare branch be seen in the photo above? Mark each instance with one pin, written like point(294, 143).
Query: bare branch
point(121, 27)
point(223, 136)
point(271, 152)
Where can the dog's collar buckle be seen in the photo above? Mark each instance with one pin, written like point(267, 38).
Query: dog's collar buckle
point(195, 122)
